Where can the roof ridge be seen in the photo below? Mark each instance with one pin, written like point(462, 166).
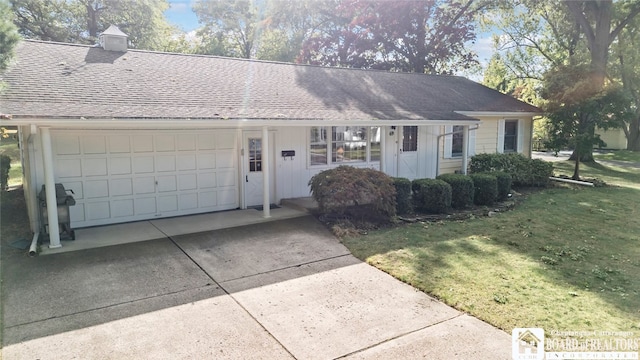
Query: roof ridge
point(252, 60)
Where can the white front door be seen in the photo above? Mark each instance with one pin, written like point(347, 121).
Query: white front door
point(252, 167)
point(408, 152)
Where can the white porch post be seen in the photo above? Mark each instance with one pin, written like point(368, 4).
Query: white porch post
point(266, 202)
point(50, 186)
point(383, 146)
point(465, 148)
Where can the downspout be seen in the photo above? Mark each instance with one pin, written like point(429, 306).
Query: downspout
point(438, 146)
point(33, 249)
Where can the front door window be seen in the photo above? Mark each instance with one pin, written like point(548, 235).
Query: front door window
point(409, 138)
point(255, 154)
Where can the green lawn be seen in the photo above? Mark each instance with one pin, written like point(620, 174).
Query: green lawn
point(568, 258)
point(620, 155)
point(9, 147)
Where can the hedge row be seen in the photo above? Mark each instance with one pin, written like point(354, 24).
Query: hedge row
point(523, 171)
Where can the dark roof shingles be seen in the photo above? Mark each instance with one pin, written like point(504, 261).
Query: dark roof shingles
point(64, 80)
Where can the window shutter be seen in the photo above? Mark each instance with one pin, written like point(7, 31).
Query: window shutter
point(448, 142)
point(500, 148)
point(472, 142)
point(520, 139)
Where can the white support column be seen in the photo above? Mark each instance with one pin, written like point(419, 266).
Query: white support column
point(465, 148)
point(266, 202)
point(383, 147)
point(50, 186)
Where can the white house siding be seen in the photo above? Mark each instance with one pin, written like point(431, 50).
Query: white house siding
point(128, 175)
point(486, 139)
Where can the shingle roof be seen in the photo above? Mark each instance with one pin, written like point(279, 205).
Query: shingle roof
point(65, 80)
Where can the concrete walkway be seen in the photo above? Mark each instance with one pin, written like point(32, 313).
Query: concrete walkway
point(280, 290)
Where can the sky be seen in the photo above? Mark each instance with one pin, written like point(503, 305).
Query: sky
point(180, 14)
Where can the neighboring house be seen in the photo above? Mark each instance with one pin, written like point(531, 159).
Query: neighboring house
point(614, 138)
point(140, 135)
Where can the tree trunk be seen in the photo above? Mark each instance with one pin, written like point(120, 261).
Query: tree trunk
point(576, 168)
point(633, 139)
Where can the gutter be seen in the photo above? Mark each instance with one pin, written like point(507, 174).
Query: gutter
point(33, 249)
point(438, 146)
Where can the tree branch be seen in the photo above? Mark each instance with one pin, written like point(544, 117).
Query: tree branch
point(635, 11)
point(574, 7)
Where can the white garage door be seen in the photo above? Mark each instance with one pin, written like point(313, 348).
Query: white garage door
point(121, 176)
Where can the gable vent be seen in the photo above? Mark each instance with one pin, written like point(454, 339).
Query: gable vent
point(113, 39)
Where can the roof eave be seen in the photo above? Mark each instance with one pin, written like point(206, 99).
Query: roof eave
point(499, 113)
point(177, 123)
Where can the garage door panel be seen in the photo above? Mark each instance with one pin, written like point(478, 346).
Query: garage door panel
point(143, 164)
point(98, 210)
point(120, 166)
point(142, 143)
point(226, 178)
point(119, 144)
point(122, 208)
point(144, 185)
point(94, 145)
point(121, 176)
point(121, 187)
point(165, 143)
point(66, 168)
point(95, 166)
point(145, 206)
point(165, 163)
point(187, 162)
point(225, 159)
point(188, 201)
point(167, 203)
point(206, 161)
point(167, 183)
point(96, 189)
point(208, 199)
point(67, 145)
point(187, 182)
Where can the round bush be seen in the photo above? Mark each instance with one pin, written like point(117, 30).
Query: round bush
point(431, 195)
point(337, 189)
point(403, 195)
point(461, 189)
point(504, 184)
point(486, 189)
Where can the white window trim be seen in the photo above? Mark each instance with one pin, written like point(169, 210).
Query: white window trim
point(448, 143)
point(519, 140)
point(329, 144)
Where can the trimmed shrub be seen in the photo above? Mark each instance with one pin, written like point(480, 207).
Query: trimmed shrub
point(5, 165)
point(486, 189)
point(403, 195)
point(523, 171)
point(461, 189)
point(337, 189)
point(431, 195)
point(504, 184)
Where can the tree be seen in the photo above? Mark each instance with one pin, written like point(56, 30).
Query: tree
point(627, 69)
point(8, 35)
point(576, 104)
point(423, 36)
point(81, 21)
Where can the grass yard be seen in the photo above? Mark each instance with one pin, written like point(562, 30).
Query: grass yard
point(9, 147)
point(619, 155)
point(568, 258)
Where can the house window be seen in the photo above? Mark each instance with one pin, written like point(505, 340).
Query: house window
point(347, 144)
point(318, 146)
point(409, 138)
point(457, 139)
point(511, 136)
point(255, 155)
point(376, 133)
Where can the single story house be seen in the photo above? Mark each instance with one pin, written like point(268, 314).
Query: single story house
point(140, 134)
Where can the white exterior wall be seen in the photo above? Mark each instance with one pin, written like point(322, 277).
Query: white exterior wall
point(614, 138)
point(486, 140)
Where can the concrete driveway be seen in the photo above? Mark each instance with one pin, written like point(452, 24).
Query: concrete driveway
point(279, 290)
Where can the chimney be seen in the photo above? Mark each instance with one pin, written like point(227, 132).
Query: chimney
point(113, 39)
